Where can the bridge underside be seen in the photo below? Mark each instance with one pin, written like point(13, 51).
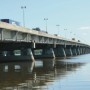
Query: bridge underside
point(15, 51)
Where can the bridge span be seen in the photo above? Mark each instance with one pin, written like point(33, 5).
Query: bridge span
point(19, 43)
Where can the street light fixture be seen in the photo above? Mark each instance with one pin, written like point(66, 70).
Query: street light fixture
point(65, 32)
point(46, 23)
point(58, 28)
point(71, 35)
point(23, 7)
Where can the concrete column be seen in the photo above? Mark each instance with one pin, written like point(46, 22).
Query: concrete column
point(77, 50)
point(87, 50)
point(80, 48)
point(27, 53)
point(48, 53)
point(83, 50)
point(74, 53)
point(59, 51)
point(33, 45)
point(68, 51)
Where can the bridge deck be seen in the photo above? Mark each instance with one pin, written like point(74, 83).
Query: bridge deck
point(9, 32)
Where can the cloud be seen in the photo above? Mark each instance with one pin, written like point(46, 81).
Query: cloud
point(85, 28)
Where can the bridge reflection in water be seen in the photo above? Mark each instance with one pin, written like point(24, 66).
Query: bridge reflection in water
point(34, 75)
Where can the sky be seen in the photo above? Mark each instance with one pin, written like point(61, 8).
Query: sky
point(72, 16)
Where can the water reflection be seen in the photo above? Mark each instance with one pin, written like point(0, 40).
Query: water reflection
point(34, 75)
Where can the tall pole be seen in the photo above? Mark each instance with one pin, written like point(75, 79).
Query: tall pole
point(58, 28)
point(71, 35)
point(46, 23)
point(23, 7)
point(65, 32)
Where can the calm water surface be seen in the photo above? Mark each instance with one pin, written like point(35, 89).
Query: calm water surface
point(62, 74)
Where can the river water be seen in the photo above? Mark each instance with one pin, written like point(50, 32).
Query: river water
point(72, 73)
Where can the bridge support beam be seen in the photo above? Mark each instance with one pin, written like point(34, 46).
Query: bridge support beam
point(81, 50)
point(68, 51)
point(87, 50)
point(48, 53)
point(27, 53)
point(43, 53)
point(59, 52)
point(78, 50)
point(24, 54)
point(74, 53)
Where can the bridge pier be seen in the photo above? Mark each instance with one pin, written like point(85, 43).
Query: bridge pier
point(59, 52)
point(84, 50)
point(87, 50)
point(74, 52)
point(43, 53)
point(27, 53)
point(81, 50)
point(78, 50)
point(22, 55)
point(68, 51)
point(48, 53)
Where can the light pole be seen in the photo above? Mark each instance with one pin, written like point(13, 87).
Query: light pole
point(65, 32)
point(74, 36)
point(46, 23)
point(71, 35)
point(23, 7)
point(58, 28)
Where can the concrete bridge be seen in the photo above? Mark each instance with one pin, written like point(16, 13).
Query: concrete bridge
point(19, 43)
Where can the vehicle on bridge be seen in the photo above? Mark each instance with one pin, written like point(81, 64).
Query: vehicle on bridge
point(10, 21)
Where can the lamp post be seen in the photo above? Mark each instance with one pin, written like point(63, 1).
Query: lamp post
point(65, 32)
point(23, 7)
point(74, 35)
point(46, 23)
point(58, 28)
point(71, 35)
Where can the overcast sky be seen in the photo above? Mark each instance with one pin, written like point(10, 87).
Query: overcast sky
point(73, 16)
